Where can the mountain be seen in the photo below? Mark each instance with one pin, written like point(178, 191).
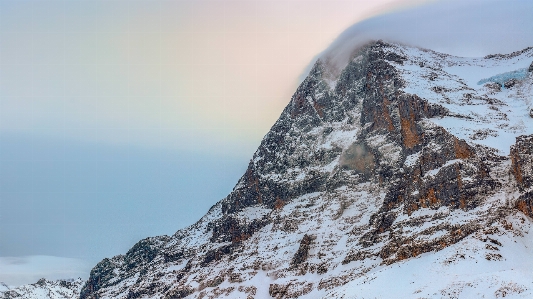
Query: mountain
point(409, 175)
point(4, 287)
point(44, 289)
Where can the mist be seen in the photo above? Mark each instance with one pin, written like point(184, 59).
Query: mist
point(61, 198)
point(463, 28)
point(20, 270)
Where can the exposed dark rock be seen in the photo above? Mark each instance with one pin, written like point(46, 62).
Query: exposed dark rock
point(357, 256)
point(179, 293)
point(100, 277)
point(395, 57)
point(277, 291)
point(141, 253)
point(400, 249)
point(530, 69)
point(41, 282)
point(172, 256)
point(525, 203)
point(136, 260)
point(216, 254)
point(303, 251)
point(510, 83)
point(522, 170)
point(511, 55)
point(494, 87)
point(522, 161)
point(290, 290)
point(232, 230)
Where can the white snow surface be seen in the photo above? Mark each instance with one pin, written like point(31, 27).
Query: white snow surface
point(44, 289)
point(478, 114)
point(476, 267)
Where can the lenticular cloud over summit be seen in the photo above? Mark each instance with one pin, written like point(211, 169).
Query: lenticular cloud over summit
point(464, 28)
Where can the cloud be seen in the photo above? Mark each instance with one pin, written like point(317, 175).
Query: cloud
point(464, 28)
point(13, 261)
point(15, 271)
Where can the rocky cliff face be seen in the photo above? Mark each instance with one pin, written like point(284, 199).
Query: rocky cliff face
point(522, 169)
point(402, 158)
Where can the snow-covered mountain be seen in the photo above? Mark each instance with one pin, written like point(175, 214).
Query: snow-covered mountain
point(4, 287)
point(408, 176)
point(44, 289)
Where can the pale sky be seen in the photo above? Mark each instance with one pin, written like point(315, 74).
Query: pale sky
point(123, 119)
point(163, 74)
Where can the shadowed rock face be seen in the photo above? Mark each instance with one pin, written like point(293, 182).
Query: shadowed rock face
point(351, 174)
point(522, 161)
point(522, 170)
point(303, 251)
point(531, 67)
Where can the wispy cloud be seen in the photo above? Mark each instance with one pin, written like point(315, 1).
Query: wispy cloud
point(465, 28)
point(15, 271)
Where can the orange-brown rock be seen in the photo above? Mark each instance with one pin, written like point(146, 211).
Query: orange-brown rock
point(525, 205)
point(462, 150)
point(522, 170)
point(409, 134)
point(278, 204)
point(522, 161)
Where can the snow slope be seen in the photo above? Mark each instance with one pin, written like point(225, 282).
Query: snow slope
point(480, 113)
point(45, 289)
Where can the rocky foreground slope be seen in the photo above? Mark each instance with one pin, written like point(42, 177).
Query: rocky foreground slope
point(408, 176)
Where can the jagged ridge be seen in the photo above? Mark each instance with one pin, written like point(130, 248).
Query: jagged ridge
point(45, 289)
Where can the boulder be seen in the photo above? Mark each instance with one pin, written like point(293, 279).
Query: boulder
point(510, 83)
point(493, 87)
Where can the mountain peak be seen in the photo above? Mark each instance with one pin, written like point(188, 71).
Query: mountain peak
point(389, 162)
point(399, 162)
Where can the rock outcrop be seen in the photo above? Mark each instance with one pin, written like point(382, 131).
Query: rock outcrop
point(522, 170)
point(522, 161)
